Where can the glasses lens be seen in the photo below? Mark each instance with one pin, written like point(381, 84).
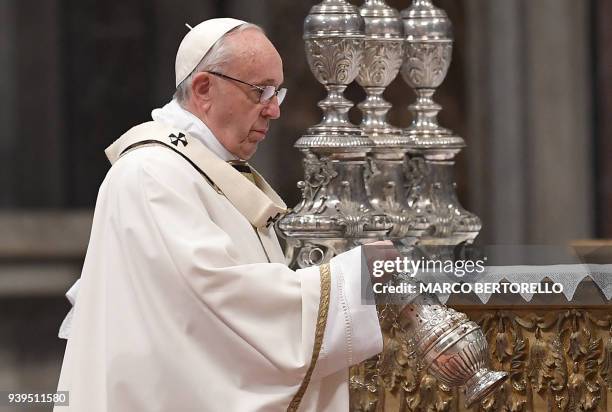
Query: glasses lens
point(266, 95)
point(281, 95)
point(269, 92)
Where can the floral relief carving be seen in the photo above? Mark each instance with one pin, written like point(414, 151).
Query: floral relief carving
point(426, 64)
point(381, 63)
point(557, 360)
point(334, 61)
point(317, 175)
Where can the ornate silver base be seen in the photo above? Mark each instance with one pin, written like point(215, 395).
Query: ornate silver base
point(482, 384)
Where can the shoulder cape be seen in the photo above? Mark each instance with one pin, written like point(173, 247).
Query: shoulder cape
point(259, 204)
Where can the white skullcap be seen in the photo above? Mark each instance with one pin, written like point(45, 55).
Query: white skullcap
point(198, 42)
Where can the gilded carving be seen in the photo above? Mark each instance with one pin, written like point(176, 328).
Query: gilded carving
point(606, 362)
point(558, 361)
point(563, 366)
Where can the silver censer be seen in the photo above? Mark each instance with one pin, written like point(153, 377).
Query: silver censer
point(451, 346)
point(359, 184)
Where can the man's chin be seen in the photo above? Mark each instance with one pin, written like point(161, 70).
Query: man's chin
point(246, 154)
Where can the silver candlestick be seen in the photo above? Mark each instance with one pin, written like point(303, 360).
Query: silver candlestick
point(335, 213)
point(428, 51)
point(358, 187)
point(334, 36)
point(382, 59)
point(386, 180)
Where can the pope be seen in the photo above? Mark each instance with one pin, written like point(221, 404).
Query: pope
point(185, 302)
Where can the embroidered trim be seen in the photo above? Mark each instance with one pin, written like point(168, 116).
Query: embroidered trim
point(319, 332)
point(348, 321)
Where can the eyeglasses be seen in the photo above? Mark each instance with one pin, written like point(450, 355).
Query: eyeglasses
point(266, 93)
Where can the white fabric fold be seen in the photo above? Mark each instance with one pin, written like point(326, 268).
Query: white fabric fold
point(352, 333)
point(71, 295)
point(177, 290)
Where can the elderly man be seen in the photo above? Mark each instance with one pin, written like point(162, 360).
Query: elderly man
point(185, 303)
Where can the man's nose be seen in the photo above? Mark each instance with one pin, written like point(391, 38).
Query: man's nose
point(272, 109)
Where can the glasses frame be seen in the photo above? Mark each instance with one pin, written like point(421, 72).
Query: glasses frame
point(261, 89)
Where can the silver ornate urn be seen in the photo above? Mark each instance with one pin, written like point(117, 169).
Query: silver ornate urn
point(382, 59)
point(335, 213)
point(428, 51)
point(452, 347)
point(358, 185)
point(334, 36)
point(386, 178)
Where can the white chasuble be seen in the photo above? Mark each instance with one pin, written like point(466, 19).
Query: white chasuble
point(186, 303)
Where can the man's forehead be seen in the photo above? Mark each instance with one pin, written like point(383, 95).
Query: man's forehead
point(256, 57)
point(262, 74)
point(250, 43)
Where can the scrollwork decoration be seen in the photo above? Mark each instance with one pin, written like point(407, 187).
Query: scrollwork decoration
point(381, 63)
point(334, 60)
point(426, 64)
point(317, 175)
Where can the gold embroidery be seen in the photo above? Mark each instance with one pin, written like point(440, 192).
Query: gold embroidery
point(319, 332)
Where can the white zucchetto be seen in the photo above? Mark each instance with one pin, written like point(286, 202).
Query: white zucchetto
point(198, 41)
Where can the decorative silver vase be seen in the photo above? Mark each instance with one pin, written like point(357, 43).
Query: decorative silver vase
point(385, 177)
point(358, 186)
point(334, 36)
point(428, 51)
point(335, 213)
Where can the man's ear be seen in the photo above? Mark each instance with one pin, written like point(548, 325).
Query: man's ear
point(200, 88)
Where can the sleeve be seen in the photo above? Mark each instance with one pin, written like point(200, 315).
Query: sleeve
point(261, 300)
point(352, 333)
point(362, 328)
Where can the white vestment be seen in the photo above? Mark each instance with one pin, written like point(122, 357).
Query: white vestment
point(184, 305)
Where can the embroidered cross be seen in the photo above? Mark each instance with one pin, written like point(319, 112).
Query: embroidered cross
point(174, 139)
